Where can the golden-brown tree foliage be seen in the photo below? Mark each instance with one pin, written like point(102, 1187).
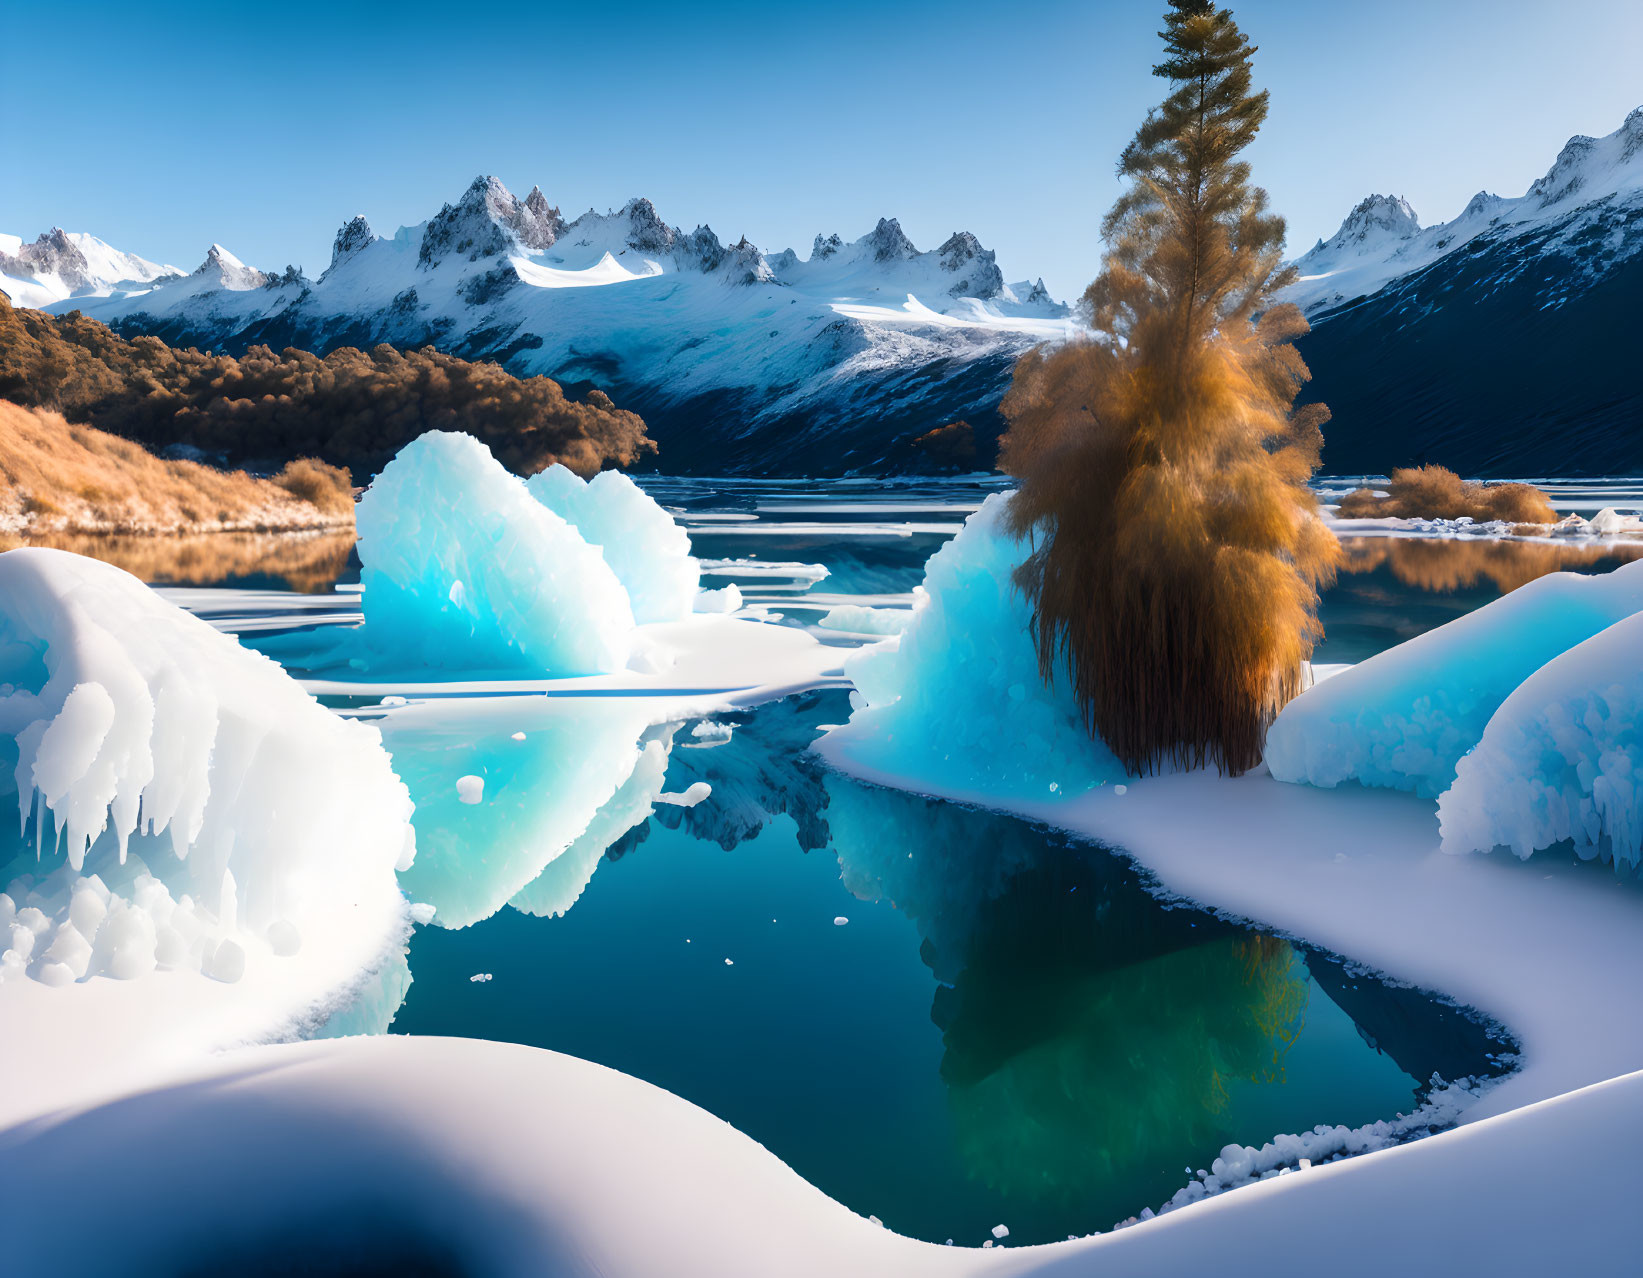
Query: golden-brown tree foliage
point(350, 408)
point(1433, 492)
point(1163, 468)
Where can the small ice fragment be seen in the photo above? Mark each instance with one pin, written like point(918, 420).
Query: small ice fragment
point(1120, 788)
point(876, 1221)
point(422, 912)
point(56, 974)
point(693, 794)
point(730, 963)
point(518, 736)
point(470, 789)
point(988, 1243)
point(479, 978)
point(1001, 1231)
point(1304, 1165)
point(724, 600)
point(392, 702)
point(838, 920)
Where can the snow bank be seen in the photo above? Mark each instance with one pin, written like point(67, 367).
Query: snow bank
point(960, 689)
point(1404, 718)
point(368, 1158)
point(462, 566)
point(645, 548)
point(1561, 760)
point(182, 801)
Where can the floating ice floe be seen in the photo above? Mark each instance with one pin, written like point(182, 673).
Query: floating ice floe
point(1403, 718)
point(725, 599)
point(1561, 760)
point(856, 619)
point(959, 689)
point(461, 565)
point(183, 803)
point(645, 548)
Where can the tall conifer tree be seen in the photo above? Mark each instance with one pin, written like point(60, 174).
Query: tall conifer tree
point(1163, 467)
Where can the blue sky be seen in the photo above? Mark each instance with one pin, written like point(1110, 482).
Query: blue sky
point(163, 127)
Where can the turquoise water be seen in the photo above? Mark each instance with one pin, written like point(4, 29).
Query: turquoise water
point(1009, 1028)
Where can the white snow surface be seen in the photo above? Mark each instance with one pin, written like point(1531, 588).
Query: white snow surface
point(1403, 718)
point(541, 1163)
point(1561, 759)
point(461, 565)
point(63, 265)
point(645, 548)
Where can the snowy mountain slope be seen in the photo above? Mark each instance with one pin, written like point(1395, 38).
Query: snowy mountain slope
point(736, 360)
point(62, 264)
point(1502, 342)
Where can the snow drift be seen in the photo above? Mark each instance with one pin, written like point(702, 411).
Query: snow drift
point(1404, 718)
point(183, 803)
point(1561, 760)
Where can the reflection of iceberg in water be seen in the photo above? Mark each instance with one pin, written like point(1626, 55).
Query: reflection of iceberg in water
point(562, 881)
point(541, 793)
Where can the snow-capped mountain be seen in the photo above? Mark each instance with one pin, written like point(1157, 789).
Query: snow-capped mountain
point(1505, 341)
point(827, 362)
point(62, 264)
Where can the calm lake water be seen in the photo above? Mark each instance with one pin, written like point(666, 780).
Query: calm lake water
point(1007, 1026)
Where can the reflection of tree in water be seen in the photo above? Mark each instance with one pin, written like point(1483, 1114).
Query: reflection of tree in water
point(1088, 1030)
point(309, 563)
point(1444, 565)
point(1070, 1074)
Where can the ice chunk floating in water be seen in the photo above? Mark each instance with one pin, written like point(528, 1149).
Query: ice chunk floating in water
point(1404, 718)
point(184, 803)
point(959, 689)
point(461, 565)
point(648, 552)
point(1562, 759)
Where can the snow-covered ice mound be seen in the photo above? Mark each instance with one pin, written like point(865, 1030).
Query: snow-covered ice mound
point(959, 689)
point(462, 566)
point(1561, 760)
point(645, 548)
point(1404, 718)
point(183, 803)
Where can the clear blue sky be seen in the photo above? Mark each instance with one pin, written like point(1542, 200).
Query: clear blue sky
point(163, 127)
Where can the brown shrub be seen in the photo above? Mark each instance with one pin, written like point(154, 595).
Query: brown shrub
point(1434, 492)
point(351, 408)
point(329, 488)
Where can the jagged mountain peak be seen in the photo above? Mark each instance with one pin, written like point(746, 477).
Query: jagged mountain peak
point(355, 234)
point(223, 270)
point(888, 242)
point(1376, 217)
point(825, 247)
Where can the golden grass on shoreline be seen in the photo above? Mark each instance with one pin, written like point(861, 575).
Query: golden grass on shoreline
point(58, 477)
